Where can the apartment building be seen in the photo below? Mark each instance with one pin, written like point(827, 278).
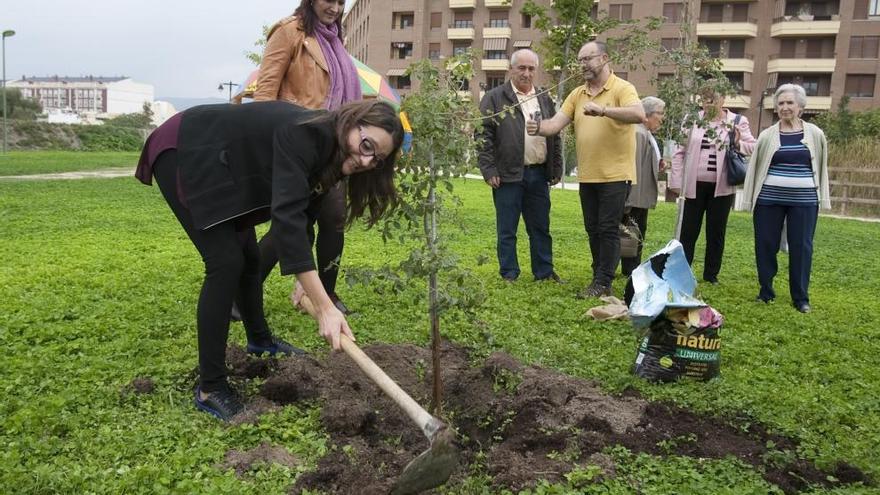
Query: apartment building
point(92, 95)
point(831, 47)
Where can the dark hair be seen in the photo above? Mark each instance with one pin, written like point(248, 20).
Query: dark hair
point(307, 18)
point(373, 189)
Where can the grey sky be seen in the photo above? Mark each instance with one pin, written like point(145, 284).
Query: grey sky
point(184, 48)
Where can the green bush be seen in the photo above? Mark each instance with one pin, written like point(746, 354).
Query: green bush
point(26, 135)
point(108, 138)
point(844, 125)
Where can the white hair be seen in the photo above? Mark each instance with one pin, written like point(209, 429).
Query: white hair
point(652, 105)
point(514, 55)
point(800, 95)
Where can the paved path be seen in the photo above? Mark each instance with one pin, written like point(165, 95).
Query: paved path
point(107, 173)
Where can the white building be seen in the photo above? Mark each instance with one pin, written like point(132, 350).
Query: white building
point(93, 96)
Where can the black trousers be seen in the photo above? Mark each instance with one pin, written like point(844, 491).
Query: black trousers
point(602, 205)
point(640, 217)
point(232, 263)
point(800, 224)
point(329, 242)
point(716, 211)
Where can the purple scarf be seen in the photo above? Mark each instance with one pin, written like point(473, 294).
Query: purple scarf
point(344, 83)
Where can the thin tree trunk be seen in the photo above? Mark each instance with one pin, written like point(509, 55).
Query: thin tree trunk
point(431, 233)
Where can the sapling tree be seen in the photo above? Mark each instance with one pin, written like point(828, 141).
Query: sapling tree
point(443, 122)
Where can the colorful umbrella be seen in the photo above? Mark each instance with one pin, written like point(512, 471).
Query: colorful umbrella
point(373, 85)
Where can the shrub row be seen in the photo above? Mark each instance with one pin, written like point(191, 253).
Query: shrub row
point(26, 135)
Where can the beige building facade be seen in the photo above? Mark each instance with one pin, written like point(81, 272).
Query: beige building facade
point(831, 47)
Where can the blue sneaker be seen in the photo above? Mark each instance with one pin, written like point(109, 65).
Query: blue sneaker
point(223, 403)
point(278, 347)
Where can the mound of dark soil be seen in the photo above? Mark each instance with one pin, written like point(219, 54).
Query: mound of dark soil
point(529, 423)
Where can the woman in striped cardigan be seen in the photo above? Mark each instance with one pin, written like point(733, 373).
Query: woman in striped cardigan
point(787, 183)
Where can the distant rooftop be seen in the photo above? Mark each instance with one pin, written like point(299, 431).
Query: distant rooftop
point(79, 79)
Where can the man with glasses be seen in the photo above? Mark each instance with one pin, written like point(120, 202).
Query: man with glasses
point(603, 111)
point(520, 168)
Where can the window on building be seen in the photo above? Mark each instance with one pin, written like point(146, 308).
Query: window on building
point(460, 47)
point(672, 12)
point(874, 8)
point(736, 48)
point(494, 80)
point(814, 85)
point(787, 48)
point(740, 12)
point(713, 46)
point(402, 82)
point(496, 54)
point(864, 47)
point(594, 12)
point(405, 20)
point(860, 85)
point(526, 21)
point(436, 20)
point(665, 76)
point(737, 79)
point(462, 84)
point(498, 19)
point(860, 9)
point(712, 12)
point(401, 50)
point(670, 43)
point(620, 11)
point(820, 48)
point(463, 20)
point(434, 51)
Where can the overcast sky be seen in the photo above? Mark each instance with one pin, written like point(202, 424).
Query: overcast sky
point(184, 48)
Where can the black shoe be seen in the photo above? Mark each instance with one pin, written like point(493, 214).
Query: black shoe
point(803, 307)
point(278, 346)
point(594, 290)
point(713, 280)
point(509, 280)
point(234, 313)
point(223, 403)
point(762, 300)
point(553, 277)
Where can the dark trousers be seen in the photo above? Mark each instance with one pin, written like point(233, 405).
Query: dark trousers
point(329, 242)
point(717, 211)
point(640, 217)
point(232, 272)
point(800, 224)
point(530, 199)
point(602, 206)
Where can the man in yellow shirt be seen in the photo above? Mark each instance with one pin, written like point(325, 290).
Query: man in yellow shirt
point(604, 111)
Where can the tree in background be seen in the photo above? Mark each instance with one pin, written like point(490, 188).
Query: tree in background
point(142, 120)
point(21, 108)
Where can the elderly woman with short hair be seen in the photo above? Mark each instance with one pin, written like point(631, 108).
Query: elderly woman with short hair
point(643, 194)
point(787, 183)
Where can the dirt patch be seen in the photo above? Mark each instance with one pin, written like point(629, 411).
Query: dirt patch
point(522, 423)
point(140, 385)
point(245, 461)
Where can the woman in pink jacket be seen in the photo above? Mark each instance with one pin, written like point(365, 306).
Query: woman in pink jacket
point(707, 192)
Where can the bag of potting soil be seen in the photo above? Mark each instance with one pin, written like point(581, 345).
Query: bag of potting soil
point(680, 343)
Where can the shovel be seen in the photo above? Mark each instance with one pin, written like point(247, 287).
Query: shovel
point(432, 467)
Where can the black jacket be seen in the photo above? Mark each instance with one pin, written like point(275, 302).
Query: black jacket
point(501, 141)
point(250, 161)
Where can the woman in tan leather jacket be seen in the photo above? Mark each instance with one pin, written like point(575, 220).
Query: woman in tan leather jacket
point(305, 63)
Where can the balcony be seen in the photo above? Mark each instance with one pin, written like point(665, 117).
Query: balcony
point(746, 64)
point(804, 65)
point(738, 101)
point(794, 26)
point(496, 32)
point(460, 33)
point(492, 64)
point(819, 103)
point(497, 3)
point(728, 29)
point(462, 4)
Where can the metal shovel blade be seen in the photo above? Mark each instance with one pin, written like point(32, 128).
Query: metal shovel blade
point(431, 468)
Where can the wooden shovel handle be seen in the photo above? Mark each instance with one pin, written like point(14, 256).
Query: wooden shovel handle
point(417, 413)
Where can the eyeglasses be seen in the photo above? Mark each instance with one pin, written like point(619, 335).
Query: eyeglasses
point(585, 60)
point(368, 148)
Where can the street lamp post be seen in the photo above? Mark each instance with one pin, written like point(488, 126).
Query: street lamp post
point(230, 84)
point(6, 34)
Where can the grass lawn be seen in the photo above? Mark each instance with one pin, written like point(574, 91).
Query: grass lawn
point(46, 162)
point(98, 286)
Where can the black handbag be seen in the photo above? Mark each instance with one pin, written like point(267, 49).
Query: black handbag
point(735, 161)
